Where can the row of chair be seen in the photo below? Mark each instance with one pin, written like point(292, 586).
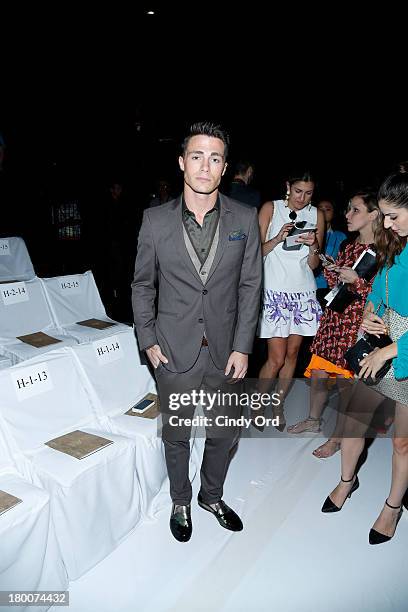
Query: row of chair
point(95, 502)
point(59, 307)
point(73, 512)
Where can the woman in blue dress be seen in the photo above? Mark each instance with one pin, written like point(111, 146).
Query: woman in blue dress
point(332, 241)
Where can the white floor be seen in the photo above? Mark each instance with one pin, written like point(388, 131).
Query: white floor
point(289, 557)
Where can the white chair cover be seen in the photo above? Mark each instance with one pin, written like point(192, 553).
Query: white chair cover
point(76, 298)
point(24, 310)
point(4, 363)
point(95, 501)
point(30, 559)
point(15, 262)
point(116, 382)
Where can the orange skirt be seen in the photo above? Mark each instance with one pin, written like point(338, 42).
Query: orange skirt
point(318, 363)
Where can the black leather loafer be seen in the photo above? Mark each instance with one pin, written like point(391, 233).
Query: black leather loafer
point(180, 523)
point(226, 517)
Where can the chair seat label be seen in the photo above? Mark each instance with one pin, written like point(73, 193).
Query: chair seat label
point(4, 247)
point(31, 381)
point(12, 293)
point(69, 285)
point(108, 350)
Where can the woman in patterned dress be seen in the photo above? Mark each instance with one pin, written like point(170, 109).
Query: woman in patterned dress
point(290, 309)
point(338, 331)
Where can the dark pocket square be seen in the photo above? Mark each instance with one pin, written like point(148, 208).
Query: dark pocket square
point(237, 235)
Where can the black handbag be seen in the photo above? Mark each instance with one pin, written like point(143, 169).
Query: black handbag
point(364, 346)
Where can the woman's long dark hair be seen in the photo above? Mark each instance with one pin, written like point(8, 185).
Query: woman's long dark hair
point(338, 222)
point(394, 191)
point(300, 175)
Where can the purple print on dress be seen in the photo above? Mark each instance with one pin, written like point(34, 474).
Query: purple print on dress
point(275, 304)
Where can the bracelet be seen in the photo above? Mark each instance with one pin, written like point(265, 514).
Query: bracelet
point(315, 251)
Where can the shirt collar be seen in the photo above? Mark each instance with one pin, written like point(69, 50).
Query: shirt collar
point(188, 213)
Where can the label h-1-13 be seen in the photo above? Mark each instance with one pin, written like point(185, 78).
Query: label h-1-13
point(32, 380)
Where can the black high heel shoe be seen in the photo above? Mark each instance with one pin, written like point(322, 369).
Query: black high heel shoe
point(375, 537)
point(330, 506)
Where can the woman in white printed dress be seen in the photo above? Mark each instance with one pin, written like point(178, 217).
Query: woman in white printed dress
point(290, 309)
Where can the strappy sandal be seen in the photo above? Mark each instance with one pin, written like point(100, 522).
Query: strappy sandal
point(322, 452)
point(309, 425)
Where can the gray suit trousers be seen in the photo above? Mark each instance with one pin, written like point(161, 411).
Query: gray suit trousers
point(221, 439)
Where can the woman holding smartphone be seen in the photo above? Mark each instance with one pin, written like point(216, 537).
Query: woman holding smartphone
point(290, 309)
point(338, 330)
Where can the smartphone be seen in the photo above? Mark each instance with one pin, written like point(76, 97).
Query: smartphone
point(291, 240)
point(142, 406)
point(325, 260)
point(301, 228)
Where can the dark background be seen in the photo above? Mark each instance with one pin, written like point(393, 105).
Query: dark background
point(92, 95)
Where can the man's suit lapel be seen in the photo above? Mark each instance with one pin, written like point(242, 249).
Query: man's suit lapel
point(177, 223)
point(226, 223)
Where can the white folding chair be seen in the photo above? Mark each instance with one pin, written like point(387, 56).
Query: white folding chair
point(30, 559)
point(95, 501)
point(15, 262)
point(116, 381)
point(74, 299)
point(24, 310)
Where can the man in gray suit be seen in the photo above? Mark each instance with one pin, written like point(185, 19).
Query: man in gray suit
point(202, 252)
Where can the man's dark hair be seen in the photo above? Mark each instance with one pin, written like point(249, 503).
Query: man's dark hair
point(207, 128)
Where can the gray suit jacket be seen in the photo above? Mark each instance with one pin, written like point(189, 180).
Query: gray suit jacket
point(225, 308)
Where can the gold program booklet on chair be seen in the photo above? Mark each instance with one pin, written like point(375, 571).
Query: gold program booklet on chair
point(8, 501)
point(78, 444)
point(96, 323)
point(38, 339)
